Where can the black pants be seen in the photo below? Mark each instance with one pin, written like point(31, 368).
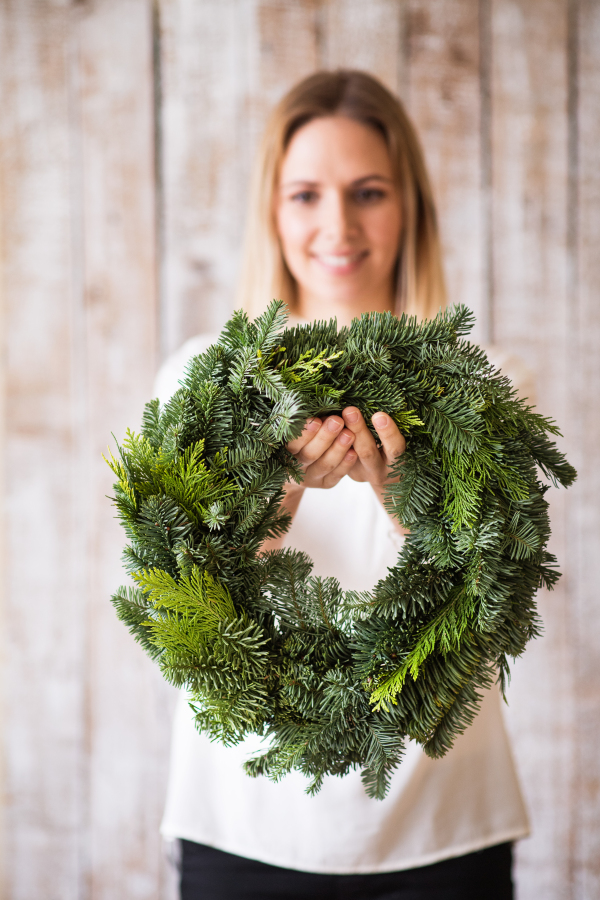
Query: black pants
point(209, 874)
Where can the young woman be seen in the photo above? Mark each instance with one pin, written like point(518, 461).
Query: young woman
point(341, 222)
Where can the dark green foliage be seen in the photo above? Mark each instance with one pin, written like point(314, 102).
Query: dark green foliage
point(336, 680)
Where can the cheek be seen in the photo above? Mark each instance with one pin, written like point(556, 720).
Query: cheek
point(384, 227)
point(293, 229)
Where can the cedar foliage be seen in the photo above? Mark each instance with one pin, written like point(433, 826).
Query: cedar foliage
point(336, 679)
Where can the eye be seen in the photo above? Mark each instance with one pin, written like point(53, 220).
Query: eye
point(365, 196)
point(303, 197)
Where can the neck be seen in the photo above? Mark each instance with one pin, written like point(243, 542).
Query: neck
point(311, 307)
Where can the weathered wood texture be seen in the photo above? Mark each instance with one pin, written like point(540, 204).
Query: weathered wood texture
point(531, 315)
point(126, 142)
point(45, 527)
point(444, 97)
point(84, 759)
point(583, 521)
point(368, 36)
point(128, 733)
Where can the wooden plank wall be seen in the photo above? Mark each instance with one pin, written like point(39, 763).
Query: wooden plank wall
point(85, 718)
point(531, 313)
point(126, 142)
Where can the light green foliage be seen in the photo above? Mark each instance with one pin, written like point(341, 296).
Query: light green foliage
point(197, 598)
point(336, 680)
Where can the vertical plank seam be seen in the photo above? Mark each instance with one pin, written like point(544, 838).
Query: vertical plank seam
point(485, 87)
point(4, 12)
point(573, 542)
point(573, 155)
point(80, 425)
point(321, 41)
point(402, 81)
point(159, 187)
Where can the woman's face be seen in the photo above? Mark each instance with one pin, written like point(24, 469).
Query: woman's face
point(338, 215)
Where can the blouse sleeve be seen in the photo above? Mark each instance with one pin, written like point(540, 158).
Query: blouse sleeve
point(515, 368)
point(171, 372)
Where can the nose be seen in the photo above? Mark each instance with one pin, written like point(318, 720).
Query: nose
point(338, 223)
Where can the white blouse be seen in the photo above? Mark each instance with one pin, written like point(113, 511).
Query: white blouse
point(435, 809)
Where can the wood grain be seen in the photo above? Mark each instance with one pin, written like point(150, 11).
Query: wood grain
point(584, 430)
point(368, 36)
point(202, 61)
point(44, 508)
point(443, 89)
point(128, 704)
point(531, 315)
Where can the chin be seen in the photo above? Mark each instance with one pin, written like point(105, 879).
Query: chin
point(344, 294)
point(336, 285)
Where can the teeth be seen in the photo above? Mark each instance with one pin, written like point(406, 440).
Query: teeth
point(339, 261)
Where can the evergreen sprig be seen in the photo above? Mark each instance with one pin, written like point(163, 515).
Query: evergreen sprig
point(336, 679)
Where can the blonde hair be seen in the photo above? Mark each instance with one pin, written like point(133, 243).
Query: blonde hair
point(420, 286)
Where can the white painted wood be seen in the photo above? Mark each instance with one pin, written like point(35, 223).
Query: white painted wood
point(201, 65)
point(44, 510)
point(367, 36)
point(443, 88)
point(584, 434)
point(84, 758)
point(128, 703)
point(531, 316)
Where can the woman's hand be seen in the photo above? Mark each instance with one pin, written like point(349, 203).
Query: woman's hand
point(373, 463)
point(325, 452)
point(330, 449)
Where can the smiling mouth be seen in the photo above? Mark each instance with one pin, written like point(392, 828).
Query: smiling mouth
point(341, 261)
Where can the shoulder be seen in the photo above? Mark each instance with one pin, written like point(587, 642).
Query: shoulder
point(515, 368)
point(173, 368)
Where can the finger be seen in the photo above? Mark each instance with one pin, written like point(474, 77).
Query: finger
point(333, 456)
point(344, 468)
point(364, 442)
point(321, 441)
point(311, 426)
point(392, 441)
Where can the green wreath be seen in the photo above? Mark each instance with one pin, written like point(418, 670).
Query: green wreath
point(334, 679)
